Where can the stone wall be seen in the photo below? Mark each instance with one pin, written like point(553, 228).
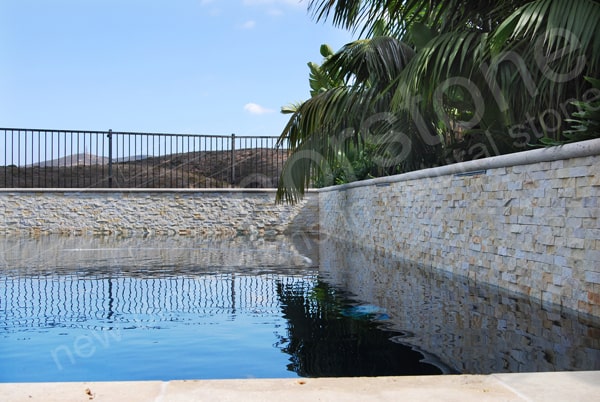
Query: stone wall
point(132, 212)
point(527, 222)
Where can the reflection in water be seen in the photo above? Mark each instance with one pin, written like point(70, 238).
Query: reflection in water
point(151, 256)
point(181, 308)
point(105, 309)
point(329, 337)
point(471, 327)
point(74, 309)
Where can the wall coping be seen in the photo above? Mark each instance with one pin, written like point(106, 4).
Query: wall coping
point(550, 154)
point(142, 190)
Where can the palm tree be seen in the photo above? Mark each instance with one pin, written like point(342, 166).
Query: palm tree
point(481, 77)
point(351, 116)
point(526, 58)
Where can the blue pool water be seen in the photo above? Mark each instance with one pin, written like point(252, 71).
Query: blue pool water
point(164, 308)
point(121, 312)
point(78, 328)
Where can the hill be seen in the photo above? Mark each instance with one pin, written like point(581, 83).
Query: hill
point(257, 168)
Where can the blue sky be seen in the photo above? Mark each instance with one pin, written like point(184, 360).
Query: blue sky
point(181, 66)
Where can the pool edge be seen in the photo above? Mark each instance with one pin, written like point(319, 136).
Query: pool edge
point(580, 385)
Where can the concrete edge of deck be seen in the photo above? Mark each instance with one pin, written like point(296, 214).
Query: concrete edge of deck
point(554, 386)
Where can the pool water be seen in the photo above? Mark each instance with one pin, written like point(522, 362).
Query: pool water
point(164, 308)
point(108, 309)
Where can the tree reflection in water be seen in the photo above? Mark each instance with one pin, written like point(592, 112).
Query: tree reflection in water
point(326, 339)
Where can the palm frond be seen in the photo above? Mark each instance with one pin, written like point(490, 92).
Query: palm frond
point(370, 61)
point(551, 46)
point(447, 56)
point(365, 16)
point(552, 24)
point(329, 124)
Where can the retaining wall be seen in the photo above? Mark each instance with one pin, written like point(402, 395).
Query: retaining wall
point(131, 212)
point(527, 222)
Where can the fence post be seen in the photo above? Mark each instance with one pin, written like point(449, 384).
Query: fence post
point(110, 175)
point(232, 159)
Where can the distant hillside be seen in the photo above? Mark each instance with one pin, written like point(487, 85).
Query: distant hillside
point(74, 160)
point(211, 169)
point(85, 159)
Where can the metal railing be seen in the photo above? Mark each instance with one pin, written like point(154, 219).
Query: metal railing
point(34, 158)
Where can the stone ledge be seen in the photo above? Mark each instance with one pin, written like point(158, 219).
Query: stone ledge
point(142, 190)
point(557, 386)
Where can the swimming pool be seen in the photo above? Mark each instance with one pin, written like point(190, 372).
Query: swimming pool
point(108, 309)
point(162, 308)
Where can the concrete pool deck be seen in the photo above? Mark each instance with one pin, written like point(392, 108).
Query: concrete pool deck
point(555, 386)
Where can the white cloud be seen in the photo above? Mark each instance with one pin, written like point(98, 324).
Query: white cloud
point(294, 3)
point(213, 9)
point(275, 12)
point(276, 8)
point(254, 108)
point(248, 24)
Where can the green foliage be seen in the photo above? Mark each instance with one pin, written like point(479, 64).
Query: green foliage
point(319, 79)
point(441, 81)
point(355, 164)
point(585, 122)
point(335, 131)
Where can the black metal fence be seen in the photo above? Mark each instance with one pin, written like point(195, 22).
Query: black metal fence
point(34, 158)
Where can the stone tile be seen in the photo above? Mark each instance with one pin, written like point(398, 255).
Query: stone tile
point(85, 391)
point(498, 387)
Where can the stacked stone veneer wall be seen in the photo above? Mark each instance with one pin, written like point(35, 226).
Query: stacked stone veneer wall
point(130, 212)
point(527, 222)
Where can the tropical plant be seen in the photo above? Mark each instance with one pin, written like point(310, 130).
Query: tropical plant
point(584, 122)
point(479, 77)
point(350, 119)
point(518, 60)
